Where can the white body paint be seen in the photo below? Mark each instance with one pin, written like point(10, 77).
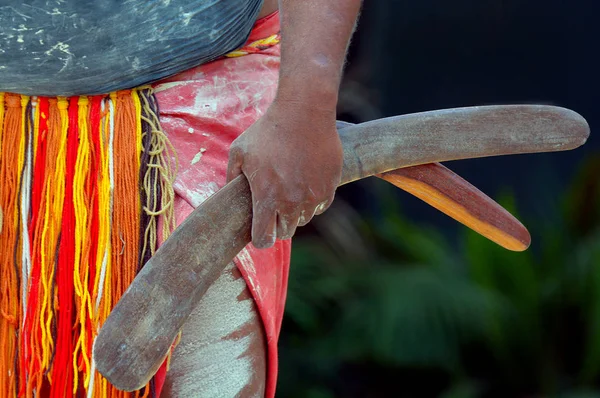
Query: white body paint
point(213, 357)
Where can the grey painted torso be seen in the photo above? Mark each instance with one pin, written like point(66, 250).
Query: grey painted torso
point(69, 47)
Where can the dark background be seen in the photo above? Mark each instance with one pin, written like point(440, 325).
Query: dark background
point(350, 333)
point(414, 56)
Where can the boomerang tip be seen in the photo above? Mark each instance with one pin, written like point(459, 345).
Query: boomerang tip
point(516, 242)
point(573, 124)
point(446, 191)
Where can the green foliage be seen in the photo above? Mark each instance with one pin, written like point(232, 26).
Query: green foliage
point(387, 294)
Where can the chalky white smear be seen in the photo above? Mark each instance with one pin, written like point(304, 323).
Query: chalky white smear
point(247, 263)
point(198, 156)
point(208, 363)
point(200, 193)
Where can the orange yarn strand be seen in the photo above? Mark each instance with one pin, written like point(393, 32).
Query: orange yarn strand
point(126, 206)
point(9, 272)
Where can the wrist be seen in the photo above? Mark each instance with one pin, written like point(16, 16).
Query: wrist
point(308, 92)
point(310, 110)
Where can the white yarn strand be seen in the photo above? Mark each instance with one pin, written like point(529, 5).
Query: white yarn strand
point(25, 210)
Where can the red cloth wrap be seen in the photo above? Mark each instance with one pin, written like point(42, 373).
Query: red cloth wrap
point(202, 111)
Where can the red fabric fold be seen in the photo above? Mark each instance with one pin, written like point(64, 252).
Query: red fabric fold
point(202, 111)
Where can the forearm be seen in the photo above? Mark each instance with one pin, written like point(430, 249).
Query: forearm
point(315, 37)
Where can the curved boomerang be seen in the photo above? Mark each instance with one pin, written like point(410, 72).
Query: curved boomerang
point(448, 192)
point(138, 334)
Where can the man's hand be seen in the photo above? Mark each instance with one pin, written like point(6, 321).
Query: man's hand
point(292, 158)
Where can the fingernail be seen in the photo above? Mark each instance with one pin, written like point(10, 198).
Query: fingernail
point(301, 219)
point(321, 207)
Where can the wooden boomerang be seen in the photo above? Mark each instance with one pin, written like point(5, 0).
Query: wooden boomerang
point(448, 192)
point(138, 334)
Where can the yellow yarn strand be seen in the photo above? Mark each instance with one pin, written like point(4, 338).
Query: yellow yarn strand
point(81, 266)
point(267, 42)
point(36, 129)
point(138, 123)
point(103, 249)
point(24, 102)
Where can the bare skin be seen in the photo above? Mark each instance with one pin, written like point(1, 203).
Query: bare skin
point(269, 7)
point(292, 157)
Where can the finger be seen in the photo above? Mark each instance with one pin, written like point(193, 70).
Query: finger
point(306, 215)
point(264, 226)
point(323, 206)
point(287, 224)
point(234, 166)
point(446, 191)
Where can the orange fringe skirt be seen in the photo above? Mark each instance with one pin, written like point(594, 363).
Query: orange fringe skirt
point(83, 181)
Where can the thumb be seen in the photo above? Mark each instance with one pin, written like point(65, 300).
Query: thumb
point(234, 166)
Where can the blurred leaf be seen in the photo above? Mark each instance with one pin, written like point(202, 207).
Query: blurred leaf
point(583, 199)
point(463, 390)
point(512, 276)
point(396, 294)
point(589, 257)
point(411, 316)
point(319, 393)
point(580, 394)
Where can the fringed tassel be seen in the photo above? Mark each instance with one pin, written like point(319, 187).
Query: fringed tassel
point(11, 158)
point(86, 189)
point(157, 179)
